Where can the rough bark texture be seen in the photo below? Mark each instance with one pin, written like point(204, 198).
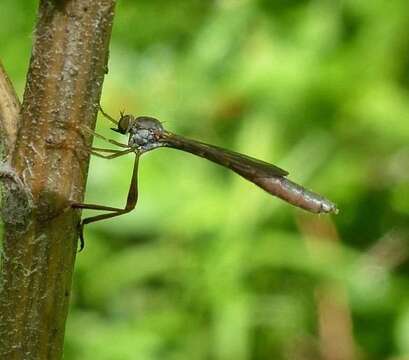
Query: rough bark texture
point(46, 170)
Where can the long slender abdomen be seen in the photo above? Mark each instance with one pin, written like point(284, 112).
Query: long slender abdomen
point(295, 194)
point(267, 176)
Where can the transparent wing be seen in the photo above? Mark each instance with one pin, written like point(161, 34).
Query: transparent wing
point(267, 176)
point(246, 166)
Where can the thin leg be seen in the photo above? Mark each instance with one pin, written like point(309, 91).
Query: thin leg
point(89, 131)
point(104, 150)
point(112, 156)
point(109, 117)
point(130, 205)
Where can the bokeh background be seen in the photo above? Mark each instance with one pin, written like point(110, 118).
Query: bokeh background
point(209, 266)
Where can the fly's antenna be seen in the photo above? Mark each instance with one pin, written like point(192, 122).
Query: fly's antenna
point(109, 117)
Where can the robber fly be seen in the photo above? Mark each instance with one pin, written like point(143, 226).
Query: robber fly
point(147, 133)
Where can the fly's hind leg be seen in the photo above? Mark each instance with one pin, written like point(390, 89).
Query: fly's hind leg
point(130, 202)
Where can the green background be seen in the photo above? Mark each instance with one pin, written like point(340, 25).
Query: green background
point(208, 266)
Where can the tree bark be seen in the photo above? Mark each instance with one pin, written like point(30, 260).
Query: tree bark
point(46, 170)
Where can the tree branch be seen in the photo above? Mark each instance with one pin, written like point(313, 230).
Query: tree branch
point(47, 170)
point(9, 110)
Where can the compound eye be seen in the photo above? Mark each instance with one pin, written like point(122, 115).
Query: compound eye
point(123, 124)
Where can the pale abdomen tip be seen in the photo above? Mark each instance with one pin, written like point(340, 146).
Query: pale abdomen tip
point(329, 208)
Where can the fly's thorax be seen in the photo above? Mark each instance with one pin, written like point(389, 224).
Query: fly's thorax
point(145, 133)
point(147, 122)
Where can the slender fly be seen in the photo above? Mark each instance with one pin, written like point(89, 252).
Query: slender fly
point(147, 133)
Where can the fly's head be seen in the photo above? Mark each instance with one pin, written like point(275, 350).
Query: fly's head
point(145, 132)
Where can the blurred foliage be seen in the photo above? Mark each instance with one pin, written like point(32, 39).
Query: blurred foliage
point(208, 266)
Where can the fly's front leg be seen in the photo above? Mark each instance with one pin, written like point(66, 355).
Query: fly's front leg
point(109, 117)
point(130, 203)
point(111, 141)
point(115, 153)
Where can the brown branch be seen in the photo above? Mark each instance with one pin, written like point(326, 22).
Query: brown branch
point(48, 170)
point(335, 324)
point(9, 110)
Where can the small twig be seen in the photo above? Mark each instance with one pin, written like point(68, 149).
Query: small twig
point(9, 110)
point(335, 326)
